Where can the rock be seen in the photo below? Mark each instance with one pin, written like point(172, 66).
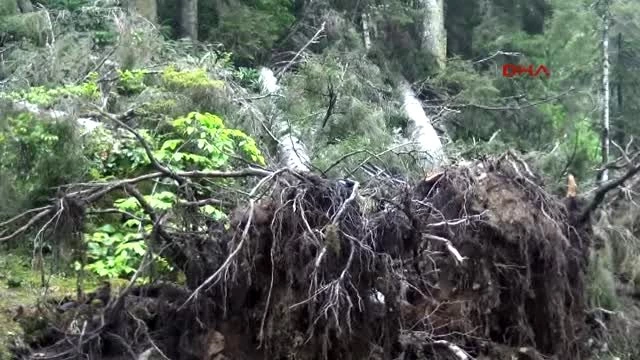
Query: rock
point(215, 343)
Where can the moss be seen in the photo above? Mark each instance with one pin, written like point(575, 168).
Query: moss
point(188, 79)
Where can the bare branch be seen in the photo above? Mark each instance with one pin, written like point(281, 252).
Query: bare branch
point(602, 191)
point(17, 217)
point(26, 226)
point(505, 108)
point(313, 40)
point(499, 52)
point(145, 145)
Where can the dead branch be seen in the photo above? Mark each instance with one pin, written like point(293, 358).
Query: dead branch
point(314, 38)
point(506, 108)
point(20, 216)
point(333, 99)
point(114, 211)
point(26, 226)
point(603, 189)
point(499, 52)
point(98, 190)
point(147, 149)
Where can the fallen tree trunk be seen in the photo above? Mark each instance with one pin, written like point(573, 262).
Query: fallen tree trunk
point(291, 150)
point(424, 135)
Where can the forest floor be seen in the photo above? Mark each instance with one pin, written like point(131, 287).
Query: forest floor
point(21, 286)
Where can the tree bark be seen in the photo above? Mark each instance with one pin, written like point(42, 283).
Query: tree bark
point(619, 85)
point(605, 96)
point(292, 152)
point(431, 153)
point(434, 35)
point(146, 8)
point(365, 31)
point(25, 6)
point(189, 19)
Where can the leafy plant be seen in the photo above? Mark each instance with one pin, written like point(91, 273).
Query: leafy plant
point(37, 155)
point(131, 82)
point(247, 77)
point(193, 142)
point(116, 251)
point(205, 143)
point(174, 79)
point(48, 97)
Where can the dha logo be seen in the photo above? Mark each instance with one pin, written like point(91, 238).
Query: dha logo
point(511, 70)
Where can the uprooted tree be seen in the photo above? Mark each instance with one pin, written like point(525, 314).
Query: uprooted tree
point(474, 261)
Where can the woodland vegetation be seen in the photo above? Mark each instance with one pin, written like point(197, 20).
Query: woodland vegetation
point(296, 179)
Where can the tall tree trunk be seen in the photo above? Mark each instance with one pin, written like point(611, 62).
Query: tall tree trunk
point(189, 19)
point(146, 8)
point(605, 96)
point(434, 35)
point(365, 31)
point(619, 85)
point(25, 6)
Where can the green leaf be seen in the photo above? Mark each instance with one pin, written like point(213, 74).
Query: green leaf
point(136, 246)
point(107, 228)
point(214, 212)
point(127, 204)
point(171, 144)
point(132, 223)
point(100, 237)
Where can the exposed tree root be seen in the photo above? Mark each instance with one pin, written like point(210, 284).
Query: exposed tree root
point(473, 262)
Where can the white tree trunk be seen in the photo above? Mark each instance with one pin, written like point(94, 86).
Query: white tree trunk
point(291, 150)
point(189, 19)
point(365, 31)
point(88, 125)
point(605, 94)
point(424, 135)
point(434, 35)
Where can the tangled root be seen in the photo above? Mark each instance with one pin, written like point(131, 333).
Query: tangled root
point(473, 261)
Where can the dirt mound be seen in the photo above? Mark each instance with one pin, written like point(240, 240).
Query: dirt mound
point(476, 261)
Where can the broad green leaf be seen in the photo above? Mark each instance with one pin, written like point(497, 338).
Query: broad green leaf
point(127, 204)
point(107, 228)
point(132, 223)
point(171, 144)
